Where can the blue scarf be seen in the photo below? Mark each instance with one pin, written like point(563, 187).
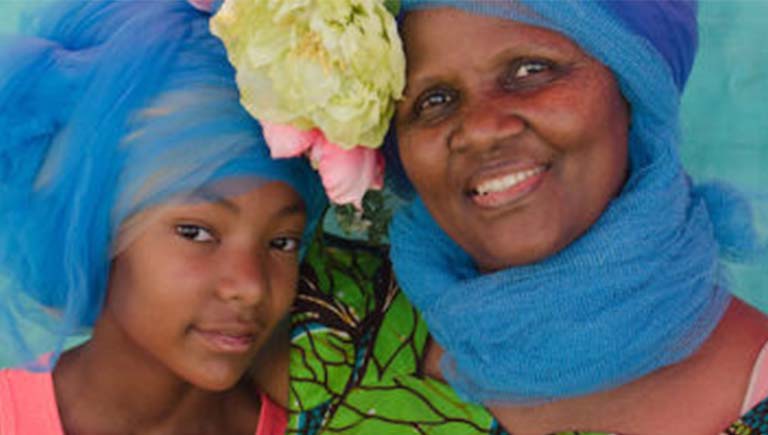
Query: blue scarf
point(640, 290)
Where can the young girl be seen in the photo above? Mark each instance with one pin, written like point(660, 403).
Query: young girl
point(139, 200)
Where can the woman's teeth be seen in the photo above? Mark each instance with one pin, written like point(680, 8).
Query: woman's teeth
point(506, 182)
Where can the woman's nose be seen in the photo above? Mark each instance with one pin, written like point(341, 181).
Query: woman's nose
point(244, 278)
point(485, 125)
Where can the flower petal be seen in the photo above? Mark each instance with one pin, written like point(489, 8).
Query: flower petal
point(202, 5)
point(287, 141)
point(347, 174)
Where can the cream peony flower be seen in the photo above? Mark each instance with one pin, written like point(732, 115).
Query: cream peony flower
point(332, 65)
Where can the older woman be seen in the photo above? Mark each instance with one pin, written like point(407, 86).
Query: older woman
point(572, 272)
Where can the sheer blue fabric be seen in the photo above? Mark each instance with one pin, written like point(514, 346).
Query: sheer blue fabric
point(107, 108)
point(642, 289)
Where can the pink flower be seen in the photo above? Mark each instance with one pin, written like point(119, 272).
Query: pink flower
point(288, 141)
point(203, 5)
point(346, 174)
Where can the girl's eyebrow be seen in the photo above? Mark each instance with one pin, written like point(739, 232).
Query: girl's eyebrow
point(292, 209)
point(217, 199)
point(214, 198)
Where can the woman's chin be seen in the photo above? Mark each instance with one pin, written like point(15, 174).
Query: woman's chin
point(504, 254)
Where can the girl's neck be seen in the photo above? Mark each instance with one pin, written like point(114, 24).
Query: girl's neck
point(676, 399)
point(105, 387)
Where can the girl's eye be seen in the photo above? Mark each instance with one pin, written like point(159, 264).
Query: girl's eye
point(285, 244)
point(433, 100)
point(195, 233)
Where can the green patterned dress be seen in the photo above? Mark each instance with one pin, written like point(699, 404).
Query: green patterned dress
point(355, 352)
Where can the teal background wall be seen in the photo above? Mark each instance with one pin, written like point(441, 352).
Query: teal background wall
point(9, 13)
point(725, 109)
point(725, 115)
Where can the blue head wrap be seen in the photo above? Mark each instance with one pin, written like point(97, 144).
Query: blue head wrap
point(109, 107)
point(642, 289)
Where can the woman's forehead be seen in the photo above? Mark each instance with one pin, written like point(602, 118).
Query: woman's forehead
point(472, 36)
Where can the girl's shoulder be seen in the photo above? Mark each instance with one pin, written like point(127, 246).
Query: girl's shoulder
point(28, 403)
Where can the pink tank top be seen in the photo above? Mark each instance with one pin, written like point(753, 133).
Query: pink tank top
point(28, 406)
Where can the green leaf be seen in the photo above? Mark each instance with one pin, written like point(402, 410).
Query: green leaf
point(393, 6)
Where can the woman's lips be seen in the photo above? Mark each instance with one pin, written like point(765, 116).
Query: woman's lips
point(226, 341)
point(507, 188)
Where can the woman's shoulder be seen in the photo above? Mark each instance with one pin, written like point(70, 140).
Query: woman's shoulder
point(754, 422)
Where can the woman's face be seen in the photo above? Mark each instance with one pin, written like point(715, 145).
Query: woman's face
point(201, 288)
point(513, 136)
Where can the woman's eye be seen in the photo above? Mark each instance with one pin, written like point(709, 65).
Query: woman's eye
point(195, 233)
point(434, 99)
point(529, 68)
point(285, 244)
point(527, 73)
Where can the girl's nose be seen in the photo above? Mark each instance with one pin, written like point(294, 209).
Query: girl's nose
point(244, 278)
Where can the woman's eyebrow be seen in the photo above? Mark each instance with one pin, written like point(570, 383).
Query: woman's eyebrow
point(418, 84)
point(419, 81)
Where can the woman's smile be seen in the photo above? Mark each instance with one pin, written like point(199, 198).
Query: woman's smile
point(506, 188)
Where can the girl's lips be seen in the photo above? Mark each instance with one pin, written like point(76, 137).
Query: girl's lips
point(226, 342)
point(507, 188)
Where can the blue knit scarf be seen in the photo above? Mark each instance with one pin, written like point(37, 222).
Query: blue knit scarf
point(640, 290)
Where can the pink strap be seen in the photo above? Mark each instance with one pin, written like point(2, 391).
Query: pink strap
point(758, 383)
point(28, 404)
point(273, 419)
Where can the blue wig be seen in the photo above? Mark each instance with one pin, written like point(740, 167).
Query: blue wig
point(108, 107)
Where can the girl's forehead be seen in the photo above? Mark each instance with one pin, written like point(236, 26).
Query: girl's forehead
point(253, 194)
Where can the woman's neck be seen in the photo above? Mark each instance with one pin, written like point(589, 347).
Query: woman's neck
point(106, 387)
point(676, 399)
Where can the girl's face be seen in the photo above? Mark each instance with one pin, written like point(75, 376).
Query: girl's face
point(203, 285)
point(513, 136)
